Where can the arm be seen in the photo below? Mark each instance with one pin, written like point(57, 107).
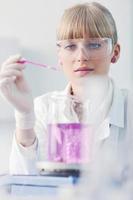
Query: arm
point(25, 137)
point(15, 90)
point(23, 158)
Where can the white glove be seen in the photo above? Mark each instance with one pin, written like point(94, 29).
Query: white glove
point(14, 88)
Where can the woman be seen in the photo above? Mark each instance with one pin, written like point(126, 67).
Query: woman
point(87, 44)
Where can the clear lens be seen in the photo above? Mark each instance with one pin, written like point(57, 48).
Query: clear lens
point(94, 48)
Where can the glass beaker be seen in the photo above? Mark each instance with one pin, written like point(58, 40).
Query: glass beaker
point(69, 140)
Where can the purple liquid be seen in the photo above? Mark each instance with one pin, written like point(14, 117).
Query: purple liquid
point(69, 143)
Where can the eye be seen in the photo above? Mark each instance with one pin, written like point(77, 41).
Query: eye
point(70, 46)
point(58, 45)
point(94, 45)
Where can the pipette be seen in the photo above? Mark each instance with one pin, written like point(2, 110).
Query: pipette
point(24, 61)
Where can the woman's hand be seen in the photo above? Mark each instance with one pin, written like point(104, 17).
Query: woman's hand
point(13, 85)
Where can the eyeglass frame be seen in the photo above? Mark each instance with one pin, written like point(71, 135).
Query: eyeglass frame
point(110, 42)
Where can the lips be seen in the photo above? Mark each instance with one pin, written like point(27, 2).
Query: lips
point(83, 69)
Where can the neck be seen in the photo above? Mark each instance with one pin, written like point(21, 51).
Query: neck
point(94, 88)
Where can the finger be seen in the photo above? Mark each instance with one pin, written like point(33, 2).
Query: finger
point(11, 73)
point(12, 59)
point(6, 87)
point(6, 82)
point(13, 66)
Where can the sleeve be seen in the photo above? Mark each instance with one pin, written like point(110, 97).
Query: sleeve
point(23, 159)
point(130, 116)
point(128, 145)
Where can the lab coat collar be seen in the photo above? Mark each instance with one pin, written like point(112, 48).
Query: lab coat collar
point(116, 113)
point(67, 90)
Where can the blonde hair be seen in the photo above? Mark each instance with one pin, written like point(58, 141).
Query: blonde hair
point(87, 20)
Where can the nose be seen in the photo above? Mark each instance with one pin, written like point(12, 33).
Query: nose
point(81, 55)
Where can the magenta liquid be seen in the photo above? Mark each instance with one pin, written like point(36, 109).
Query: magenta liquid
point(69, 143)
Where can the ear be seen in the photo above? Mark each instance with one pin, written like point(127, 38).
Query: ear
point(116, 53)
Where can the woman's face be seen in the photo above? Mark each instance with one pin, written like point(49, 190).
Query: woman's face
point(80, 58)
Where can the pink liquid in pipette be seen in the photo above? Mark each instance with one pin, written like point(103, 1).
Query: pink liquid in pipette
point(37, 64)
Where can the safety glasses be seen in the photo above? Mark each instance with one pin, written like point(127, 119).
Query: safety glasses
point(93, 48)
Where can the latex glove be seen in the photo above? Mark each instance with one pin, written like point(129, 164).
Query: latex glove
point(14, 88)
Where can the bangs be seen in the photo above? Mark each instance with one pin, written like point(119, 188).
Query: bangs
point(83, 22)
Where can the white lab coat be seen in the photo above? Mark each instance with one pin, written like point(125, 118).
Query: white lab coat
point(118, 127)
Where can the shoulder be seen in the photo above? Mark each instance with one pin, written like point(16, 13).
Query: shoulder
point(128, 102)
point(126, 93)
point(128, 96)
point(122, 99)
